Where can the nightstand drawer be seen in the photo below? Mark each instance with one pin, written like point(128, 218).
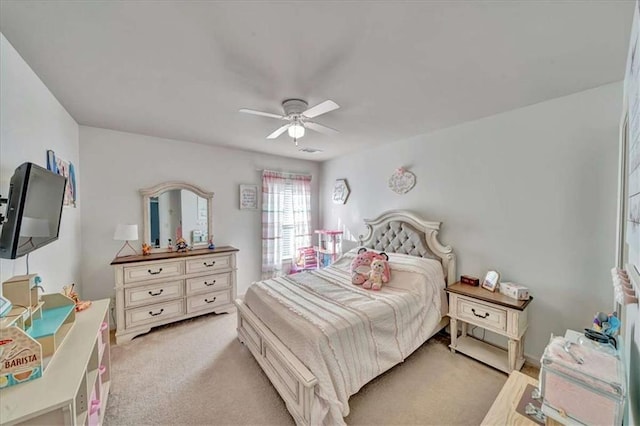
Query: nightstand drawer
point(152, 293)
point(208, 283)
point(209, 264)
point(152, 272)
point(481, 314)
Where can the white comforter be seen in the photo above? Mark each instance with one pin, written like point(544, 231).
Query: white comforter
point(344, 334)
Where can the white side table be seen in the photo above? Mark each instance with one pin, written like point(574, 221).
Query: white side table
point(494, 312)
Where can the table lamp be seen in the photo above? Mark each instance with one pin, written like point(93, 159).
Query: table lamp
point(126, 233)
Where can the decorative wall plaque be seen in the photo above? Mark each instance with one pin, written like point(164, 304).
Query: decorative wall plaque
point(340, 191)
point(401, 181)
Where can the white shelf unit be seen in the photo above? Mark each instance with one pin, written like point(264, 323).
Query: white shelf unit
point(328, 247)
point(78, 371)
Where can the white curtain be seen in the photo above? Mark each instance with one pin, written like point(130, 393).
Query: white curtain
point(273, 191)
point(301, 205)
point(286, 218)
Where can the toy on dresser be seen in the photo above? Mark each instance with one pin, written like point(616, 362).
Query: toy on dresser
point(181, 245)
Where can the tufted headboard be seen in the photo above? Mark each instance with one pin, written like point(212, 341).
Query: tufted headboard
point(399, 231)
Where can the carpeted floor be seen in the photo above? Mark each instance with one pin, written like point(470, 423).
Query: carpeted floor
point(196, 372)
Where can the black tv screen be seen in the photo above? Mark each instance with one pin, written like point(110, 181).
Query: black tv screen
point(34, 208)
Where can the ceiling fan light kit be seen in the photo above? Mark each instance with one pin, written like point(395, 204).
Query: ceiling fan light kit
point(296, 131)
point(298, 115)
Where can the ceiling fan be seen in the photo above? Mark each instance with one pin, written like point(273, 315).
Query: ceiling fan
point(298, 115)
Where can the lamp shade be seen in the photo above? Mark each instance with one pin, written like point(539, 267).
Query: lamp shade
point(126, 233)
point(296, 131)
point(34, 227)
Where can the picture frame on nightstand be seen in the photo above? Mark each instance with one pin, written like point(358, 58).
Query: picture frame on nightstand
point(491, 280)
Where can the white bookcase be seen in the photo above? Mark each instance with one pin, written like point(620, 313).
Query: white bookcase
point(74, 387)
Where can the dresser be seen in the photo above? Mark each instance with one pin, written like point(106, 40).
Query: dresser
point(161, 288)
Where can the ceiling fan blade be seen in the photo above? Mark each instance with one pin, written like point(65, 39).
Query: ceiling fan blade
point(321, 108)
point(279, 131)
point(265, 114)
point(320, 128)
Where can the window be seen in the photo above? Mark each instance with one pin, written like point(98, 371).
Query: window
point(286, 219)
point(288, 226)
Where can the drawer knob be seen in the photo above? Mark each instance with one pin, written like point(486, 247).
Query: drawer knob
point(209, 265)
point(210, 284)
point(210, 301)
point(154, 273)
point(478, 315)
point(155, 314)
point(156, 294)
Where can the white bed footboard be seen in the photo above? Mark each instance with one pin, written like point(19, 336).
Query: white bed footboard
point(293, 381)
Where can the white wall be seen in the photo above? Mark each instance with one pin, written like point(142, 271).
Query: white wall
point(530, 192)
point(31, 122)
point(116, 165)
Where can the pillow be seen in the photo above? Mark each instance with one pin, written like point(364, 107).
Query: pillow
point(361, 265)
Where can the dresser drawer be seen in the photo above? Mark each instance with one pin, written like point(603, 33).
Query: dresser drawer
point(154, 271)
point(152, 293)
point(481, 314)
point(208, 301)
point(154, 313)
point(209, 264)
point(209, 283)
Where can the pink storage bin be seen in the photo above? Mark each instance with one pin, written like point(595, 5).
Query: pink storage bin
point(592, 392)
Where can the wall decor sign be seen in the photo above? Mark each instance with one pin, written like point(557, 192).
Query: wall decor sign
point(66, 169)
point(248, 197)
point(340, 191)
point(401, 181)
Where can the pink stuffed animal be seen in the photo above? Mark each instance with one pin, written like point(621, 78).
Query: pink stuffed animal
point(361, 265)
point(376, 275)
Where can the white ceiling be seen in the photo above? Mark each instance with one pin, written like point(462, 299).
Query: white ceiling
point(182, 70)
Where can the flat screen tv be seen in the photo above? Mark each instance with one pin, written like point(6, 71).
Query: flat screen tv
point(34, 208)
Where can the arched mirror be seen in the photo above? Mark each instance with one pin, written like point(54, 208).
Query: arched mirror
point(174, 209)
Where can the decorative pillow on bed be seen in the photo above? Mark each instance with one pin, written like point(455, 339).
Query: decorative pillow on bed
point(361, 265)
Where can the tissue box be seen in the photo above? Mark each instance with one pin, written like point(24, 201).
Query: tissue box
point(590, 393)
point(515, 291)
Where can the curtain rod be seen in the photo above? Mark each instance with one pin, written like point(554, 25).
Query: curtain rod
point(284, 173)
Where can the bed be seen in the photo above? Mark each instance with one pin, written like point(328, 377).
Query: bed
point(320, 338)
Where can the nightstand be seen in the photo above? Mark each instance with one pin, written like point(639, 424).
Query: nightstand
point(494, 312)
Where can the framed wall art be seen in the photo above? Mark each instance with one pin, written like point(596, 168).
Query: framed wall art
point(66, 169)
point(248, 197)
